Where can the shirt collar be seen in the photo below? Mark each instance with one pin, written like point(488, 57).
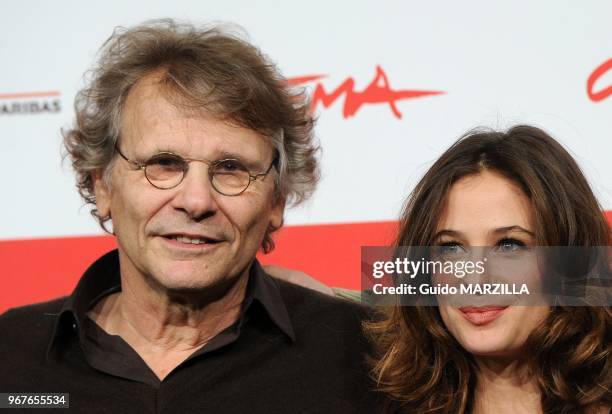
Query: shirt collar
point(267, 293)
point(103, 278)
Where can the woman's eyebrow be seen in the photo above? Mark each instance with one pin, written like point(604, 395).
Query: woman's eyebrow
point(508, 229)
point(499, 230)
point(448, 232)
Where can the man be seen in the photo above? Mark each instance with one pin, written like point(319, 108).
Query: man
point(189, 143)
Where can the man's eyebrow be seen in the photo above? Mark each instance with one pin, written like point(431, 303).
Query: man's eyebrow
point(226, 154)
point(219, 155)
point(160, 149)
point(248, 162)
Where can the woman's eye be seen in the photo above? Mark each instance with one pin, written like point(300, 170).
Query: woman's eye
point(449, 248)
point(510, 245)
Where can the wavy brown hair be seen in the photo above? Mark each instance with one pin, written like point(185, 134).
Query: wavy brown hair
point(420, 365)
point(210, 69)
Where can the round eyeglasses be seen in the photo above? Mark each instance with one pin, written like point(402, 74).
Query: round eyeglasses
point(166, 170)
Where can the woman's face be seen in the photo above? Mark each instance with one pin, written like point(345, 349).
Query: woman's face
point(487, 209)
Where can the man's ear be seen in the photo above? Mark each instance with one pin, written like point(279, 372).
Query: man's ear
point(276, 216)
point(102, 193)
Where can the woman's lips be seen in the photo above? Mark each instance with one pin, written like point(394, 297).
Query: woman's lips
point(482, 315)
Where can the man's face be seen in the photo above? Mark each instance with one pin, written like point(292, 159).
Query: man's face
point(151, 224)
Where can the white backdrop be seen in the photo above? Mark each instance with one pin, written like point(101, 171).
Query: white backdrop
point(498, 63)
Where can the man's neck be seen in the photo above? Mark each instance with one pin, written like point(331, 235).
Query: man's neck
point(165, 331)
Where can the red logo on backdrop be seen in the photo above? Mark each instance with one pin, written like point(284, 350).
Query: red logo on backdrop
point(602, 94)
point(30, 103)
point(379, 91)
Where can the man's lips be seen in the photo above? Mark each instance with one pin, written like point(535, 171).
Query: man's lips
point(482, 315)
point(192, 239)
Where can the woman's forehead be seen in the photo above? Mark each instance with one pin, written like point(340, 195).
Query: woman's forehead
point(484, 201)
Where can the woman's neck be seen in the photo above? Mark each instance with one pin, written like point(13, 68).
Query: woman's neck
point(505, 387)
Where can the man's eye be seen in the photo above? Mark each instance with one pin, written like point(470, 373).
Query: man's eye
point(229, 167)
point(166, 162)
point(509, 245)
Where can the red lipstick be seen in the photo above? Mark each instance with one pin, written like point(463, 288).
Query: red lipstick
point(482, 315)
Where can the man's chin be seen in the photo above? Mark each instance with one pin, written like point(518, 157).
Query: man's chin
point(187, 282)
point(189, 287)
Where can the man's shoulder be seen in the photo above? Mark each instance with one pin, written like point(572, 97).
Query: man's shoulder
point(308, 305)
point(26, 336)
point(33, 311)
point(31, 322)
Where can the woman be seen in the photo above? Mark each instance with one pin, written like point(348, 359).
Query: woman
point(511, 191)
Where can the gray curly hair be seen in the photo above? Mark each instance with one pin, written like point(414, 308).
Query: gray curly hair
point(206, 68)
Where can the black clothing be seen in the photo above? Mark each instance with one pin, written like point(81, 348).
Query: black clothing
point(292, 350)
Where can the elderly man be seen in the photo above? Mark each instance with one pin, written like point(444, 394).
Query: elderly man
point(189, 144)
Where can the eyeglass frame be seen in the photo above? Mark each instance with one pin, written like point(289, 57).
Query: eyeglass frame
point(211, 165)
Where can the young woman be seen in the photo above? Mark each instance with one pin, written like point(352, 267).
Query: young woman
point(511, 190)
point(508, 190)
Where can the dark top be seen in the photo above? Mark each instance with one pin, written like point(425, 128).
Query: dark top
point(292, 350)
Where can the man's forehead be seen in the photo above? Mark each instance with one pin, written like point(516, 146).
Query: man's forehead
point(148, 104)
point(152, 121)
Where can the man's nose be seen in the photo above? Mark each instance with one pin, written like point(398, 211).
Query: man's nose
point(195, 194)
